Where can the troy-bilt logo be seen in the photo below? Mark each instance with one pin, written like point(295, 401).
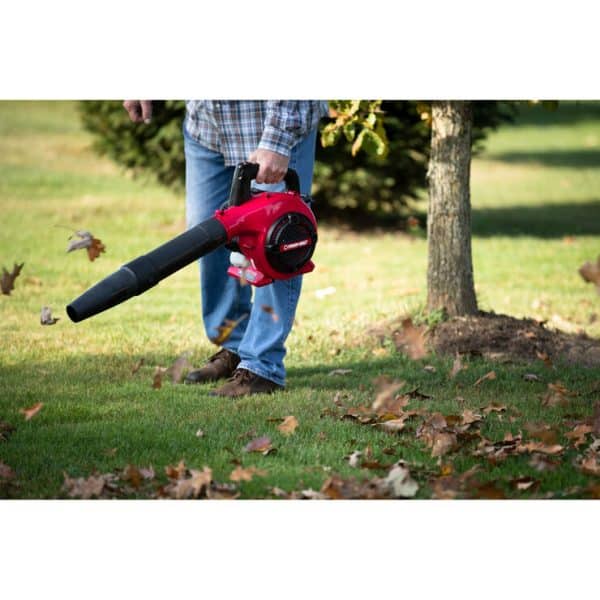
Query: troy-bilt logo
point(294, 245)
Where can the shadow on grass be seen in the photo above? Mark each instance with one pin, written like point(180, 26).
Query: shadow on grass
point(567, 113)
point(568, 158)
point(544, 221)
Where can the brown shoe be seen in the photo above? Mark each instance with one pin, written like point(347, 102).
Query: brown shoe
point(244, 383)
point(219, 365)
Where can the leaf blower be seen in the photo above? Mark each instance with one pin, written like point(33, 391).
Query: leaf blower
point(272, 236)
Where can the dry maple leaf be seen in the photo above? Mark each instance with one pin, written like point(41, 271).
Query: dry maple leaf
point(137, 366)
point(86, 240)
point(591, 273)
point(86, 488)
point(542, 432)
point(411, 339)
point(590, 465)
point(192, 487)
point(487, 377)
point(442, 443)
point(157, 377)
point(46, 317)
point(289, 425)
point(7, 281)
point(468, 417)
point(556, 395)
point(177, 472)
point(260, 444)
point(540, 447)
point(386, 390)
point(246, 474)
point(32, 411)
point(226, 329)
point(401, 484)
point(578, 434)
point(457, 366)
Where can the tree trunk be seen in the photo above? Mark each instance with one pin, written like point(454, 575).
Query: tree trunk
point(450, 266)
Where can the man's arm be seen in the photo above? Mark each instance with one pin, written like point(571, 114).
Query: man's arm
point(282, 131)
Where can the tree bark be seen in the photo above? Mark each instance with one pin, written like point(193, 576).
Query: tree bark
point(450, 266)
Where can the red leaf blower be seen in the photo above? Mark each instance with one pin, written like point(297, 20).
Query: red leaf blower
point(272, 236)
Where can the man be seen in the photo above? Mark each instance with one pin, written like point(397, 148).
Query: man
point(276, 134)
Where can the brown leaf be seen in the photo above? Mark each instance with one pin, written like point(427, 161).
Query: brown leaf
point(578, 434)
point(226, 329)
point(179, 367)
point(542, 432)
point(487, 377)
point(411, 340)
point(246, 474)
point(468, 417)
point(88, 487)
point(488, 491)
point(524, 483)
point(544, 358)
point(493, 407)
point(137, 366)
point(177, 472)
point(556, 395)
point(401, 484)
point(590, 465)
point(95, 249)
point(393, 425)
point(46, 317)
point(591, 273)
point(194, 486)
point(442, 443)
point(7, 281)
point(260, 444)
point(157, 378)
point(457, 366)
point(270, 311)
point(541, 447)
point(32, 410)
point(289, 425)
point(6, 472)
point(133, 475)
point(385, 400)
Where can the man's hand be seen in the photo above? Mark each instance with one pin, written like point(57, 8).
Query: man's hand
point(139, 110)
point(273, 166)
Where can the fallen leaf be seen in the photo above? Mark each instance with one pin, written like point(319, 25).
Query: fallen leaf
point(32, 411)
point(442, 443)
point(457, 366)
point(531, 377)
point(385, 400)
point(468, 417)
point(95, 249)
point(393, 425)
point(524, 483)
point(493, 407)
point(176, 472)
point(339, 372)
point(137, 366)
point(157, 378)
point(7, 281)
point(193, 486)
point(544, 358)
point(541, 462)
point(487, 377)
point(86, 488)
point(260, 444)
point(578, 434)
point(289, 425)
point(488, 491)
point(246, 474)
point(591, 273)
point(400, 482)
point(354, 458)
point(590, 465)
point(542, 432)
point(46, 317)
point(6, 472)
point(556, 395)
point(133, 475)
point(411, 339)
point(226, 329)
point(541, 447)
point(270, 311)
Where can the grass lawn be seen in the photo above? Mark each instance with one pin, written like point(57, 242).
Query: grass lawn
point(536, 220)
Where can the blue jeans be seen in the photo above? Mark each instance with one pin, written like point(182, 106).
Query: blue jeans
point(259, 339)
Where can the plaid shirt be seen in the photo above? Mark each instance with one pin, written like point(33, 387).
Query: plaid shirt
point(235, 128)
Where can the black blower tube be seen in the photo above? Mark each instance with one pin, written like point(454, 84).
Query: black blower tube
point(146, 271)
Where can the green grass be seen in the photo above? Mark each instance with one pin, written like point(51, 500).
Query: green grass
point(535, 185)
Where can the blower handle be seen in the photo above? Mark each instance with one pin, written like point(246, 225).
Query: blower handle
point(245, 172)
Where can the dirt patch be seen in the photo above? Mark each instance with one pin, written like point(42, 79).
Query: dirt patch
point(504, 338)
